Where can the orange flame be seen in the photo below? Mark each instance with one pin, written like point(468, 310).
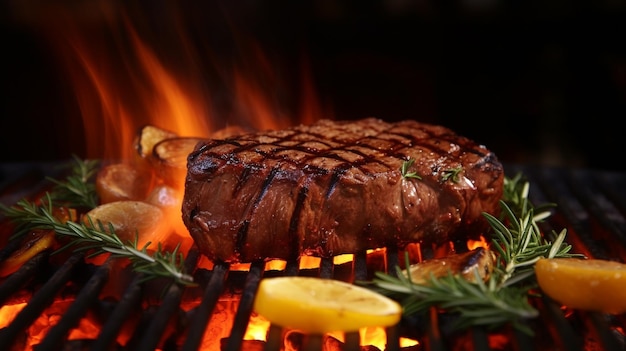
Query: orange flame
point(474, 244)
point(116, 101)
point(122, 83)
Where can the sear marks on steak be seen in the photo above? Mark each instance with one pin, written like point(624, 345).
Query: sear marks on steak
point(336, 187)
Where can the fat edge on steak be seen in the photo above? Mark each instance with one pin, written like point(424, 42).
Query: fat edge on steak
point(336, 187)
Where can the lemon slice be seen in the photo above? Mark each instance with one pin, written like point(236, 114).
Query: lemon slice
point(131, 220)
point(32, 244)
point(316, 305)
point(587, 284)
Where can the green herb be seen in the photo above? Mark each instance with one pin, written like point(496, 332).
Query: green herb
point(452, 174)
point(98, 239)
point(404, 169)
point(78, 190)
point(503, 298)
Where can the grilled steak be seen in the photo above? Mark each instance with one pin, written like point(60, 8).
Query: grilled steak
point(337, 187)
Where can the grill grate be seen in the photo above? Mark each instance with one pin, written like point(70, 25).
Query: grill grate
point(591, 206)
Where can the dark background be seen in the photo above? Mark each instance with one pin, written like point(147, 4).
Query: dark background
point(538, 82)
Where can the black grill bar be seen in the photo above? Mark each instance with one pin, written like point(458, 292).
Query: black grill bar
point(242, 316)
point(591, 206)
point(128, 304)
point(40, 300)
point(274, 338)
point(602, 209)
point(86, 297)
point(562, 331)
point(27, 180)
point(479, 339)
point(393, 338)
point(202, 313)
point(167, 309)
point(524, 341)
point(326, 267)
point(16, 280)
point(155, 331)
point(603, 331)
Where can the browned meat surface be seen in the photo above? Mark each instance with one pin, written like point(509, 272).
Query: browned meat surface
point(336, 187)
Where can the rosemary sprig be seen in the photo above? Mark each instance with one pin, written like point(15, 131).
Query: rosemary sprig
point(98, 239)
point(404, 169)
point(476, 304)
point(503, 298)
point(451, 174)
point(78, 190)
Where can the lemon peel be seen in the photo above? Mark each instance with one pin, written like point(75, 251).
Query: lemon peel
point(587, 284)
point(316, 305)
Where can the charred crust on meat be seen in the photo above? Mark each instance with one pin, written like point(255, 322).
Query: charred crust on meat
point(200, 148)
point(294, 223)
point(242, 235)
point(245, 175)
point(334, 179)
point(203, 167)
point(192, 214)
point(335, 187)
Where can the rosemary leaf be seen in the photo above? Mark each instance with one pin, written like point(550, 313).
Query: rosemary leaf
point(404, 169)
point(98, 240)
point(504, 297)
point(78, 190)
point(451, 174)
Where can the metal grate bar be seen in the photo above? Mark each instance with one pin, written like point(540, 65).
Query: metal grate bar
point(128, 304)
point(27, 180)
point(326, 267)
point(40, 300)
point(359, 263)
point(292, 268)
point(562, 331)
point(601, 207)
point(393, 338)
point(613, 185)
point(524, 341)
point(577, 218)
point(352, 341)
point(168, 308)
point(433, 340)
point(274, 338)
point(480, 339)
point(155, 332)
point(16, 280)
point(607, 336)
point(147, 317)
point(85, 298)
point(244, 309)
point(202, 313)
point(591, 205)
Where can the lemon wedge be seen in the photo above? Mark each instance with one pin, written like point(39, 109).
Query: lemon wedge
point(130, 219)
point(316, 305)
point(32, 244)
point(587, 284)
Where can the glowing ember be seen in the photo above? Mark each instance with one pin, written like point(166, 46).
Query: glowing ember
point(122, 83)
point(473, 244)
point(8, 312)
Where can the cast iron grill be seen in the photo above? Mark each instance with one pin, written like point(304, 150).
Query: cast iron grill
point(591, 206)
